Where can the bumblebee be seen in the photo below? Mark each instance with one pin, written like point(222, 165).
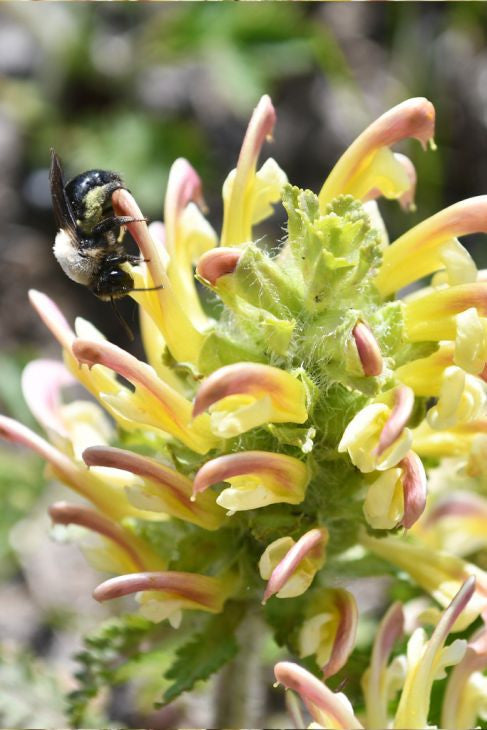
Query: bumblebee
point(89, 245)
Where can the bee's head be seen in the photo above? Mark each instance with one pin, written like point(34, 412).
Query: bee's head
point(112, 283)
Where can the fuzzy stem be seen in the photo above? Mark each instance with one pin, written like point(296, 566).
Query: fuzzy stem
point(239, 696)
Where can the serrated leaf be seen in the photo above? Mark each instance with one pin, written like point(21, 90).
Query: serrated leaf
point(205, 654)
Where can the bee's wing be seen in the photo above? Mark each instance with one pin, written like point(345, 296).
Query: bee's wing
point(62, 208)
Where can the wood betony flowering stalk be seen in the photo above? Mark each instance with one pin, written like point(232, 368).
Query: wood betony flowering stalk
point(256, 463)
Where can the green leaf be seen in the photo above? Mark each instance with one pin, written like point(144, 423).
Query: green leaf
point(207, 652)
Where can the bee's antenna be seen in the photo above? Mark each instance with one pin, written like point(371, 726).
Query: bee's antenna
point(122, 321)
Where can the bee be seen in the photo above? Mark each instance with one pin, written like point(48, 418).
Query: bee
point(89, 244)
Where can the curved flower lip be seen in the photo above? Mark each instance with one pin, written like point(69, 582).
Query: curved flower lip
point(280, 468)
point(346, 633)
point(260, 128)
point(431, 316)
point(52, 317)
point(183, 187)
point(368, 350)
point(42, 381)
point(217, 262)
point(205, 513)
point(412, 118)
point(64, 513)
point(415, 253)
point(200, 589)
point(406, 200)
point(286, 392)
point(403, 406)
point(175, 411)
point(316, 695)
point(309, 544)
point(414, 488)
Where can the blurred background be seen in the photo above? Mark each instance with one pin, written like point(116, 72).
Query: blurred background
point(130, 87)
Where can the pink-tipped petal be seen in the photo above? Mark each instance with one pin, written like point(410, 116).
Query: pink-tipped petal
point(259, 129)
point(316, 695)
point(400, 414)
point(346, 633)
point(310, 544)
point(415, 488)
point(173, 411)
point(368, 350)
point(412, 118)
point(157, 231)
point(475, 660)
point(199, 589)
point(42, 381)
point(286, 392)
point(183, 187)
point(170, 482)
point(75, 514)
point(217, 262)
point(281, 468)
point(391, 628)
point(52, 317)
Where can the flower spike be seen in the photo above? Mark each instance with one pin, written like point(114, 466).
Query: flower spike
point(327, 708)
point(257, 478)
point(294, 572)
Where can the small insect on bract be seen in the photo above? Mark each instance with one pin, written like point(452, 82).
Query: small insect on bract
point(89, 243)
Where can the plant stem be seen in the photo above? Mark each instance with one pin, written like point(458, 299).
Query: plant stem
point(240, 688)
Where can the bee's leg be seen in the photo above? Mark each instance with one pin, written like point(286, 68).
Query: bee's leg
point(115, 221)
point(127, 258)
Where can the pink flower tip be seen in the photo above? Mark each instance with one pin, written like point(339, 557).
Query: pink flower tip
point(216, 263)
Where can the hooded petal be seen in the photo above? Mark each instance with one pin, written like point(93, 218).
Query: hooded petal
point(427, 662)
point(271, 395)
point(163, 489)
point(247, 195)
point(330, 628)
point(368, 164)
point(289, 567)
point(183, 339)
point(329, 709)
point(257, 478)
point(418, 252)
point(164, 594)
point(154, 402)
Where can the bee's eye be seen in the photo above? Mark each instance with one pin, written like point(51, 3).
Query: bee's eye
point(113, 283)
